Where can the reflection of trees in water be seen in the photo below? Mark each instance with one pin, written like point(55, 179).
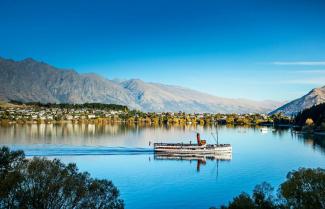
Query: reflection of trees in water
point(316, 141)
point(69, 133)
point(49, 133)
point(280, 131)
point(54, 130)
point(114, 129)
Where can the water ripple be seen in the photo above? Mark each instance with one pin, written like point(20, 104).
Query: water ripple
point(65, 150)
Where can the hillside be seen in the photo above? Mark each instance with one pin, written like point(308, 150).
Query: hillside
point(314, 97)
point(32, 81)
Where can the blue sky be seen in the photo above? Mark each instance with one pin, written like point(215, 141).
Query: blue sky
point(231, 48)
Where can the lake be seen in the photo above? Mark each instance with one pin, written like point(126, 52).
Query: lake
point(122, 154)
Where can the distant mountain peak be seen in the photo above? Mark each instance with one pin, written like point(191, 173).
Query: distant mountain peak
point(29, 59)
point(314, 97)
point(118, 80)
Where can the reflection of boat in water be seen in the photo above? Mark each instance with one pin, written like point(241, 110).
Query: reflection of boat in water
point(200, 158)
point(264, 130)
point(200, 148)
point(203, 157)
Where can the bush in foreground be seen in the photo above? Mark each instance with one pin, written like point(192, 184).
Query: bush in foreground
point(49, 184)
point(303, 189)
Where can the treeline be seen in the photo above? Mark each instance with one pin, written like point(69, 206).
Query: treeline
point(98, 106)
point(303, 189)
point(201, 119)
point(312, 118)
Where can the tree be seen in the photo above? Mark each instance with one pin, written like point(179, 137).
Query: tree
point(41, 183)
point(304, 188)
point(261, 199)
point(243, 201)
point(230, 120)
point(309, 122)
point(263, 196)
point(10, 160)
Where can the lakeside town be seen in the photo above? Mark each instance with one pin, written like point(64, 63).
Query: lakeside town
point(20, 113)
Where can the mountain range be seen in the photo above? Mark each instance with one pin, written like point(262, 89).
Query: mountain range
point(30, 80)
point(314, 97)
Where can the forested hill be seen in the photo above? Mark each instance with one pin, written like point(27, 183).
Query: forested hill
point(316, 114)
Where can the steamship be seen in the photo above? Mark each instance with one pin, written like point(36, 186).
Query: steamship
point(200, 148)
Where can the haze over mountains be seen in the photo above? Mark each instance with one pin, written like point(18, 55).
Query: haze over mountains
point(314, 97)
point(29, 80)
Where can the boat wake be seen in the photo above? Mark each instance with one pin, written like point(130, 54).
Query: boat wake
point(65, 150)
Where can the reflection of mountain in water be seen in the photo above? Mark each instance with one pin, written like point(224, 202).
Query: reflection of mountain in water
point(201, 159)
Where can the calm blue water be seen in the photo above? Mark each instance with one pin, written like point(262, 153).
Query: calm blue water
point(123, 155)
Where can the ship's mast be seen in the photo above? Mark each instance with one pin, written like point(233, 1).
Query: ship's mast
point(215, 139)
point(217, 134)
